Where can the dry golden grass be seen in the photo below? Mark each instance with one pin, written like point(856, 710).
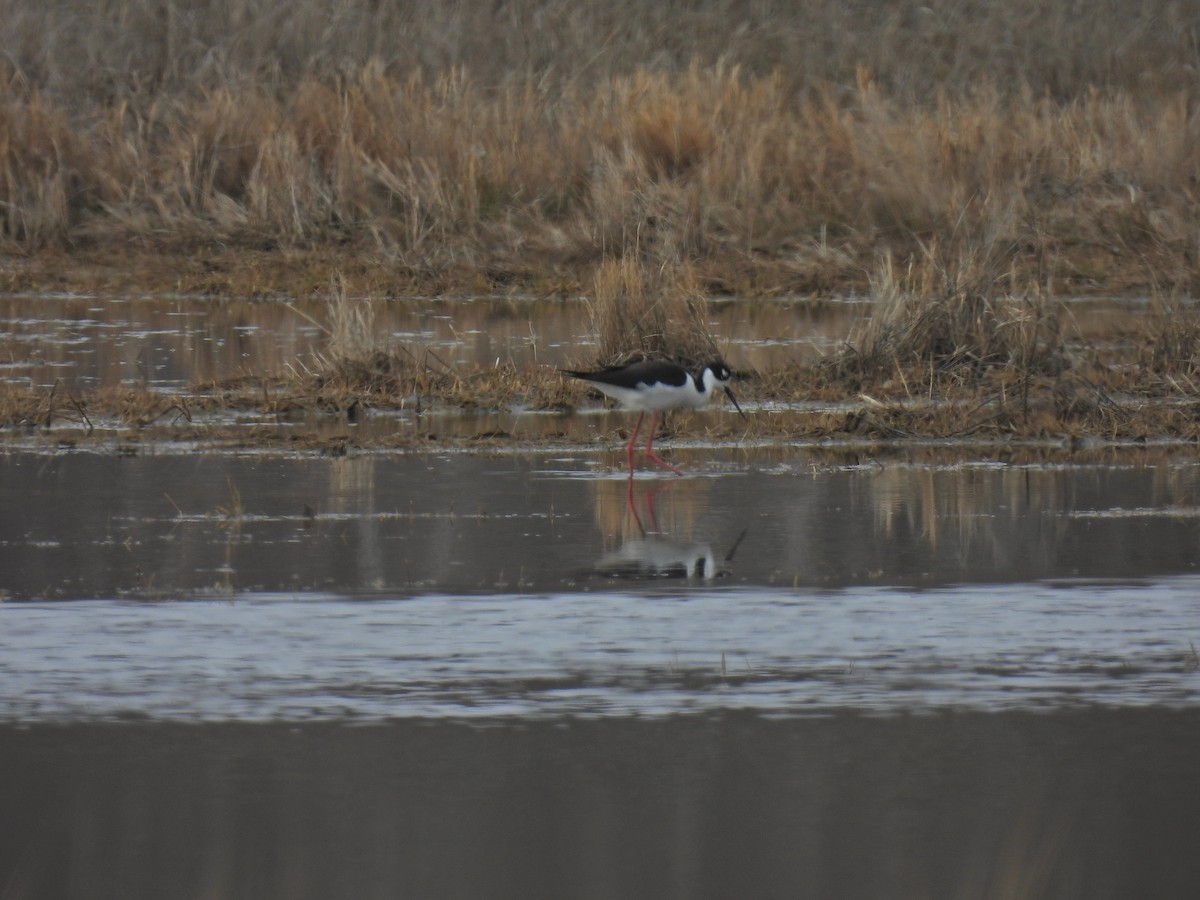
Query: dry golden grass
point(938, 323)
point(528, 146)
point(635, 318)
point(1170, 350)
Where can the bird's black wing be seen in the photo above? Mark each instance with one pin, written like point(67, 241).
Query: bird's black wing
point(647, 371)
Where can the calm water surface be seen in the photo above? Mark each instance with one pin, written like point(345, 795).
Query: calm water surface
point(375, 587)
point(171, 344)
point(1090, 804)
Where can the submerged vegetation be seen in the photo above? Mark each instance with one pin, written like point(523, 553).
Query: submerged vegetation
point(962, 163)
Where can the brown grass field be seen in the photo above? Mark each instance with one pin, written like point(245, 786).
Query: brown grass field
point(964, 163)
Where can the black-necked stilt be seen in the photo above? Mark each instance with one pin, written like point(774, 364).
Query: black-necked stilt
point(655, 387)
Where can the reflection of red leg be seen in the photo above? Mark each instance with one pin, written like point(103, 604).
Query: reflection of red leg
point(632, 441)
point(650, 455)
point(648, 499)
point(633, 507)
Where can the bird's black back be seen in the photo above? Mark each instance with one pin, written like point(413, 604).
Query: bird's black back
point(648, 371)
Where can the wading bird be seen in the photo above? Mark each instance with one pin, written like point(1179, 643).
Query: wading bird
point(655, 387)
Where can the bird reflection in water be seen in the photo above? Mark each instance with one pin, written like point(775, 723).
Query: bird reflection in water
point(650, 553)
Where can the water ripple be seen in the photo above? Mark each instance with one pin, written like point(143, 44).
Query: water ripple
point(879, 650)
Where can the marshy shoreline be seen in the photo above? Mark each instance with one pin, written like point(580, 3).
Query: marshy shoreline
point(965, 167)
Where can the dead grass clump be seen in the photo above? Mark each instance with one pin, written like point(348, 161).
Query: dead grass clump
point(377, 375)
point(670, 122)
point(209, 161)
point(938, 323)
point(284, 195)
point(358, 365)
point(351, 328)
point(638, 315)
point(36, 171)
point(1170, 352)
point(27, 408)
point(356, 362)
point(59, 405)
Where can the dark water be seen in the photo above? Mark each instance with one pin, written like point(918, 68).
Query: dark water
point(1095, 804)
point(795, 673)
point(183, 526)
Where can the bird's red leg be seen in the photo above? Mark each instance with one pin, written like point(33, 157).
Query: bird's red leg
point(632, 441)
point(650, 454)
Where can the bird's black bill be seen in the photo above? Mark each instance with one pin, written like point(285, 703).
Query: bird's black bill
point(729, 393)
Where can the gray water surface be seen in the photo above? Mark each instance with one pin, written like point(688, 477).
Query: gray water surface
point(377, 587)
point(1095, 804)
point(792, 673)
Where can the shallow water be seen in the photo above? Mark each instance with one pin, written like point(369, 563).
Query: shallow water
point(173, 343)
point(170, 344)
point(463, 585)
point(508, 675)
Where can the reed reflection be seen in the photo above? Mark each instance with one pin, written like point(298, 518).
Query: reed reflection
point(902, 520)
